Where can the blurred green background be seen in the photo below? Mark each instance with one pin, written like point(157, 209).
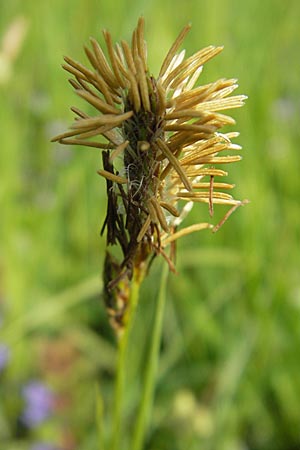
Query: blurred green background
point(230, 362)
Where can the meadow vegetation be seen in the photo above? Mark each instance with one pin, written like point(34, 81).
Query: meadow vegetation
point(229, 368)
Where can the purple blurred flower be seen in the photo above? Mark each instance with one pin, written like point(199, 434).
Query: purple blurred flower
point(4, 356)
point(39, 403)
point(43, 446)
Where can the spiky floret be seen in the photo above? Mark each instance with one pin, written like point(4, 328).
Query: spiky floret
point(166, 133)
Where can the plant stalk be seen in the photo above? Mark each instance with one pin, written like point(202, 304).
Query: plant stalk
point(121, 364)
point(147, 397)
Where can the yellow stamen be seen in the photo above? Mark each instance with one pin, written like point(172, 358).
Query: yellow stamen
point(79, 113)
point(190, 64)
point(112, 56)
point(152, 212)
point(97, 102)
point(160, 214)
point(170, 208)
point(225, 103)
point(221, 159)
point(174, 161)
point(186, 231)
point(198, 195)
point(105, 119)
point(134, 91)
point(103, 66)
point(142, 83)
point(118, 151)
point(216, 185)
point(171, 53)
point(88, 74)
point(141, 42)
point(112, 176)
point(144, 229)
point(85, 143)
point(128, 57)
point(189, 127)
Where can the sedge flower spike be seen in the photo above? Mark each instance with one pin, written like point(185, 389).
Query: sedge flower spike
point(162, 149)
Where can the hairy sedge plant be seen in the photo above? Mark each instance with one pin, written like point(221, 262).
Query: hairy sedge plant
point(162, 150)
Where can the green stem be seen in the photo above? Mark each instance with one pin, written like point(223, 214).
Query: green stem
point(99, 418)
point(121, 365)
point(152, 364)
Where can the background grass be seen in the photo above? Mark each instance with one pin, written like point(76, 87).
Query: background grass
point(229, 373)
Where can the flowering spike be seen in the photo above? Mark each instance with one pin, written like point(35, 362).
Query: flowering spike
point(161, 141)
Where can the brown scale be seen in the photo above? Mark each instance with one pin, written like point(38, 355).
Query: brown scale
point(142, 171)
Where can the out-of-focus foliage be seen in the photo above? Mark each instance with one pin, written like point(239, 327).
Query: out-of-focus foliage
point(229, 371)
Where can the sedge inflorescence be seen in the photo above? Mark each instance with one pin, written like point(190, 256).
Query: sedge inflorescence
point(162, 148)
